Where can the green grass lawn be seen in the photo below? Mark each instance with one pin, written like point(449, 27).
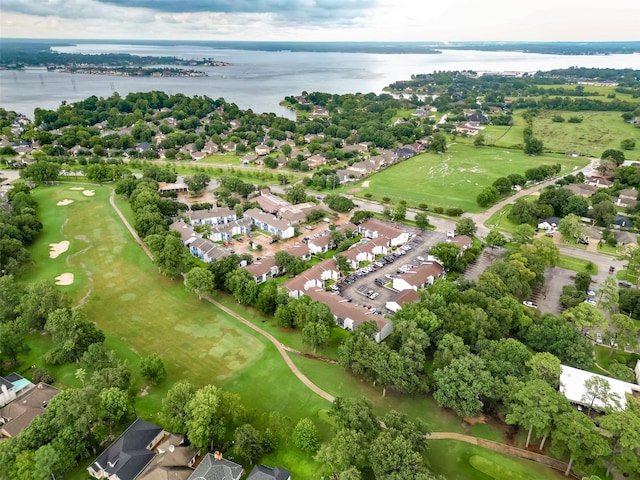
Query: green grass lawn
point(576, 264)
point(462, 461)
point(455, 178)
point(142, 312)
point(597, 132)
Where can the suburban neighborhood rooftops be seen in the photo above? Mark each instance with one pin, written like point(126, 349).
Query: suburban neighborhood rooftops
point(263, 472)
point(25, 408)
point(214, 467)
point(130, 453)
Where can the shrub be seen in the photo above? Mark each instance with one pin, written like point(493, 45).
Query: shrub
point(42, 375)
point(454, 212)
point(423, 206)
point(368, 195)
point(438, 210)
point(386, 199)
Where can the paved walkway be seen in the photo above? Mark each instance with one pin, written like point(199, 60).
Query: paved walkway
point(283, 349)
point(502, 448)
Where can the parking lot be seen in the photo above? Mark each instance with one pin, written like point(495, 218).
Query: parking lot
point(366, 286)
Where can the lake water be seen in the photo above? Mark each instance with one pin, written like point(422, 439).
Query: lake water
point(260, 80)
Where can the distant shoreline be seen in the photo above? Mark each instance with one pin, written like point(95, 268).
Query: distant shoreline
point(427, 48)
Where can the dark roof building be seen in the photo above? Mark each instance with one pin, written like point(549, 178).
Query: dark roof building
point(262, 472)
point(128, 456)
point(214, 467)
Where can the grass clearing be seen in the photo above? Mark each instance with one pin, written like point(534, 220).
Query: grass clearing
point(455, 178)
point(462, 461)
point(597, 132)
point(577, 264)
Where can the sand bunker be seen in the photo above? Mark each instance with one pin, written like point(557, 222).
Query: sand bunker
point(64, 279)
point(88, 193)
point(58, 249)
point(64, 202)
point(365, 184)
point(76, 188)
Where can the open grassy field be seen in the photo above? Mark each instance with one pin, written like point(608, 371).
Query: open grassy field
point(455, 178)
point(597, 132)
point(142, 312)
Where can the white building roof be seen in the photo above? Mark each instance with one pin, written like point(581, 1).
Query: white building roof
point(572, 386)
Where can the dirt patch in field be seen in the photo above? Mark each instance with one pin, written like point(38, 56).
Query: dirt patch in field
point(64, 202)
point(58, 249)
point(64, 279)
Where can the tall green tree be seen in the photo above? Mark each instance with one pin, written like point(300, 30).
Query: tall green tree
point(200, 281)
point(174, 406)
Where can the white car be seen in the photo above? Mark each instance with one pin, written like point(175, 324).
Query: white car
point(591, 301)
point(591, 293)
point(598, 338)
point(527, 303)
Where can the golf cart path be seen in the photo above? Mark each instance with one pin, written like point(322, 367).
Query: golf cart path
point(282, 349)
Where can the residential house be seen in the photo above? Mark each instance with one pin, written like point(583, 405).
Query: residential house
point(301, 284)
point(626, 198)
point(374, 228)
point(262, 149)
point(296, 213)
point(270, 203)
point(406, 296)
point(270, 224)
point(214, 467)
point(225, 231)
point(248, 158)
point(173, 460)
point(128, 456)
point(30, 401)
point(350, 316)
point(622, 222)
point(206, 250)
point(195, 156)
point(422, 276)
point(600, 182)
point(319, 245)
point(210, 148)
point(263, 269)
point(582, 189)
point(463, 241)
point(7, 391)
point(300, 250)
point(572, 386)
point(310, 137)
point(229, 147)
point(263, 472)
point(318, 112)
point(625, 238)
point(143, 147)
point(365, 252)
point(187, 233)
point(212, 216)
point(404, 153)
point(549, 224)
point(315, 161)
point(235, 124)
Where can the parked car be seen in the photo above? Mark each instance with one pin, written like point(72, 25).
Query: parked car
point(527, 303)
point(591, 301)
point(591, 293)
point(598, 338)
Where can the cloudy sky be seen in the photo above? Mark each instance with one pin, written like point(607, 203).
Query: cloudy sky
point(323, 20)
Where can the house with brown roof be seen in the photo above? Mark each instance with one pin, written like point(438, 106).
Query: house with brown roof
point(164, 187)
point(229, 147)
point(463, 241)
point(263, 269)
point(315, 161)
point(350, 316)
point(319, 245)
point(186, 232)
point(270, 203)
point(374, 228)
point(173, 460)
point(30, 401)
point(422, 276)
point(626, 198)
point(262, 149)
point(597, 181)
point(406, 296)
point(582, 189)
point(297, 213)
point(312, 279)
point(300, 250)
point(365, 252)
